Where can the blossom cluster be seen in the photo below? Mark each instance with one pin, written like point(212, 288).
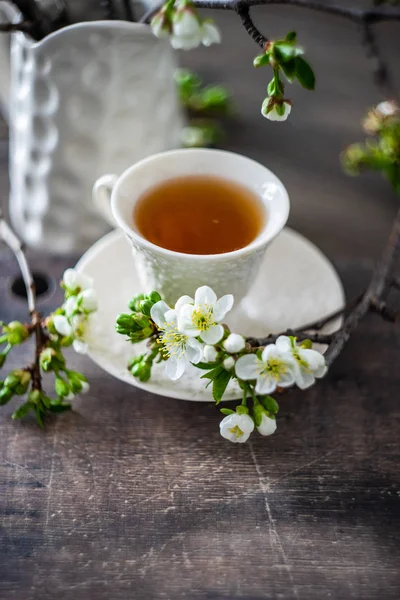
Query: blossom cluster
point(192, 333)
point(70, 320)
point(179, 21)
point(65, 327)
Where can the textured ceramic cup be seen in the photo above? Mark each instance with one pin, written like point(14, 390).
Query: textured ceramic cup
point(173, 273)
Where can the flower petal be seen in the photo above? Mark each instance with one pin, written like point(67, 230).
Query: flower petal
point(283, 344)
point(314, 359)
point(212, 335)
point(194, 350)
point(175, 368)
point(185, 322)
point(70, 305)
point(304, 378)
point(157, 313)
point(246, 367)
point(182, 301)
point(287, 379)
point(270, 351)
point(265, 384)
point(267, 425)
point(211, 33)
point(80, 347)
point(205, 295)
point(62, 325)
point(222, 307)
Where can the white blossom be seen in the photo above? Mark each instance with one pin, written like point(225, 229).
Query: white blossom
point(179, 349)
point(73, 280)
point(87, 300)
point(272, 370)
point(70, 306)
point(236, 428)
point(267, 425)
point(202, 317)
point(85, 387)
point(186, 29)
point(310, 364)
point(234, 343)
point(228, 363)
point(388, 108)
point(160, 25)
point(74, 326)
point(69, 396)
point(273, 114)
point(209, 353)
point(210, 33)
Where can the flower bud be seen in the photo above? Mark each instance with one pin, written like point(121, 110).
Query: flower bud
point(5, 395)
point(276, 109)
point(13, 379)
point(229, 363)
point(141, 370)
point(234, 343)
point(34, 396)
point(16, 332)
point(154, 297)
point(209, 353)
point(61, 387)
point(87, 300)
point(145, 306)
point(133, 304)
point(160, 25)
point(46, 359)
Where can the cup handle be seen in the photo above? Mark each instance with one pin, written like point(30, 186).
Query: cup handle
point(101, 197)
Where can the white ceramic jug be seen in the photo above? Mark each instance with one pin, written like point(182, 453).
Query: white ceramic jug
point(91, 98)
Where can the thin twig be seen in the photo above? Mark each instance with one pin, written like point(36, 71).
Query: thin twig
point(316, 338)
point(372, 295)
point(379, 69)
point(16, 246)
point(11, 240)
point(243, 11)
point(25, 26)
point(353, 14)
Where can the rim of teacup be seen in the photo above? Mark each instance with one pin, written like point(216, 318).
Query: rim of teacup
point(263, 238)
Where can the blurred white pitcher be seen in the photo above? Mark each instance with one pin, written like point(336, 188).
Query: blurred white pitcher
point(172, 273)
point(90, 98)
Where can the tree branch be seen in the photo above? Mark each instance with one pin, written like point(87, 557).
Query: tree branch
point(372, 296)
point(243, 11)
point(16, 246)
point(11, 240)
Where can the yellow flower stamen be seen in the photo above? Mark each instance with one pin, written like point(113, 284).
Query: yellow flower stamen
point(273, 367)
point(203, 317)
point(236, 431)
point(174, 342)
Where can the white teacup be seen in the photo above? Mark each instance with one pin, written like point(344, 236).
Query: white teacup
point(171, 273)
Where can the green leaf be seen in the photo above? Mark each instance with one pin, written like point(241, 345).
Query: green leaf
point(306, 344)
point(305, 74)
point(204, 365)
point(284, 52)
point(227, 411)
point(289, 69)
point(270, 404)
point(261, 60)
point(22, 410)
point(291, 37)
point(213, 373)
point(39, 417)
point(60, 407)
point(219, 385)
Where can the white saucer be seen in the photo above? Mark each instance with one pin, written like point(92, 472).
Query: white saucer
point(296, 285)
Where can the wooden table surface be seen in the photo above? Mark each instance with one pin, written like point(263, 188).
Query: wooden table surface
point(134, 496)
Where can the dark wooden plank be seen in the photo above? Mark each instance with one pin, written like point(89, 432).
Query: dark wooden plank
point(138, 496)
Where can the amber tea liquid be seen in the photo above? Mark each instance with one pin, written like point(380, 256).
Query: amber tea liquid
point(199, 214)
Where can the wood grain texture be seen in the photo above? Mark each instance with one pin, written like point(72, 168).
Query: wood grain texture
point(137, 496)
